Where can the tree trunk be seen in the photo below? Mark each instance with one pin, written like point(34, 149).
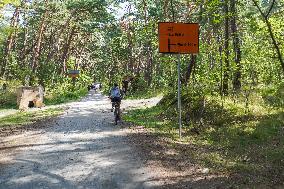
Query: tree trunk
point(37, 50)
point(55, 40)
point(221, 64)
point(226, 49)
point(236, 45)
point(66, 49)
point(130, 49)
point(265, 17)
point(276, 46)
point(165, 8)
point(10, 41)
point(148, 74)
point(190, 67)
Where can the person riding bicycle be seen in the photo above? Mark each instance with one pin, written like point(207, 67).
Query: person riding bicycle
point(115, 95)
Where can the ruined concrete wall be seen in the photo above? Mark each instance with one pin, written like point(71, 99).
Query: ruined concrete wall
point(26, 95)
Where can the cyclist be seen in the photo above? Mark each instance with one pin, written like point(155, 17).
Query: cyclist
point(115, 95)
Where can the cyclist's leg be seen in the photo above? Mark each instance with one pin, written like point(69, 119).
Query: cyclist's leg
point(116, 111)
point(119, 111)
point(113, 100)
point(112, 104)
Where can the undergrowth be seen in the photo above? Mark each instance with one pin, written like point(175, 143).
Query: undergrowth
point(62, 96)
point(232, 135)
point(144, 94)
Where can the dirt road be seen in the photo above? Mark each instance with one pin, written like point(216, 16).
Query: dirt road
point(80, 149)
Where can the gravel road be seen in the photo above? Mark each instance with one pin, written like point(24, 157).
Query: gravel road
point(80, 149)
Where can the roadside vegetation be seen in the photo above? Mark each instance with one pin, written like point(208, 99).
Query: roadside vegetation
point(27, 118)
point(61, 93)
point(233, 135)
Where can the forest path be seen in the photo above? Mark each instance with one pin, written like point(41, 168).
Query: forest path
point(80, 149)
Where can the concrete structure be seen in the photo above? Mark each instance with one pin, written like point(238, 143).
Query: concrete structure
point(30, 97)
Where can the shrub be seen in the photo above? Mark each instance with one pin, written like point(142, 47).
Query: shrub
point(274, 95)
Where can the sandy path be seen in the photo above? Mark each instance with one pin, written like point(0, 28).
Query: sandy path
point(80, 149)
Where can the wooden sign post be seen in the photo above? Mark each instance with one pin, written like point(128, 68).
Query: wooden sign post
point(179, 38)
point(73, 74)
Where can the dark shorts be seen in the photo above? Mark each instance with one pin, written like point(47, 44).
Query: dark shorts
point(116, 99)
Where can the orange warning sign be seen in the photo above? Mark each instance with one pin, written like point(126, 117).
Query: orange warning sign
point(178, 37)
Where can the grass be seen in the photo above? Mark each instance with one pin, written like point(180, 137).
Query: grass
point(25, 118)
point(233, 138)
point(8, 100)
point(148, 118)
point(144, 94)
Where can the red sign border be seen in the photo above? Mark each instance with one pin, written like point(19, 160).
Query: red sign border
point(177, 23)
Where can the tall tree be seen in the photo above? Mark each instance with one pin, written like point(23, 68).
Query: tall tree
point(265, 16)
point(226, 49)
point(236, 45)
point(10, 41)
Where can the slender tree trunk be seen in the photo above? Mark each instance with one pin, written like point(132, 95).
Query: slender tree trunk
point(51, 47)
point(148, 74)
point(226, 49)
point(54, 40)
point(37, 50)
point(265, 17)
point(10, 41)
point(236, 44)
point(166, 3)
point(25, 50)
point(221, 64)
point(190, 67)
point(130, 49)
point(66, 49)
point(275, 44)
point(130, 66)
point(27, 47)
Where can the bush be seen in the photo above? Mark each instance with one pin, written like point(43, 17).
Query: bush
point(64, 92)
point(274, 96)
point(8, 100)
point(61, 96)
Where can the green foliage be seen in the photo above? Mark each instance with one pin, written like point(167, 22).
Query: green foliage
point(25, 118)
point(145, 93)
point(65, 92)
point(274, 95)
point(9, 2)
point(8, 97)
point(8, 100)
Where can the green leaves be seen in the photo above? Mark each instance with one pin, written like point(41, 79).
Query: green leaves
point(15, 3)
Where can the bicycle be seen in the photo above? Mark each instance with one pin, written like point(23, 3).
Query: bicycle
point(117, 112)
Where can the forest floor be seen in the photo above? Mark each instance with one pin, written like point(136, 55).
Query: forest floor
point(82, 148)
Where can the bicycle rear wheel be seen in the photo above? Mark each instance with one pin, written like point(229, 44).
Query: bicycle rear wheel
point(116, 116)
